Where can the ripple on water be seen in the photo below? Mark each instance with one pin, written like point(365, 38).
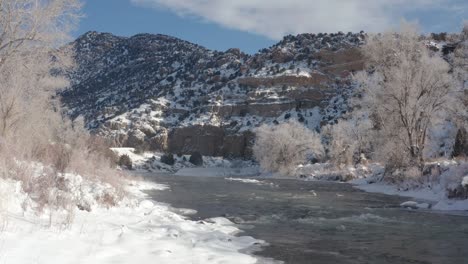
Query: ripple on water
point(367, 218)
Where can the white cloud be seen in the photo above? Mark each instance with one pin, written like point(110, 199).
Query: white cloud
point(276, 18)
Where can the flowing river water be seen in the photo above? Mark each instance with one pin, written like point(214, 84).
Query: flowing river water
point(323, 222)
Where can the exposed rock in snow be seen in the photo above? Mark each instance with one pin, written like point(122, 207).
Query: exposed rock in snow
point(212, 166)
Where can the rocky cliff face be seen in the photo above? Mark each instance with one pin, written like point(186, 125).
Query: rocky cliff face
point(161, 93)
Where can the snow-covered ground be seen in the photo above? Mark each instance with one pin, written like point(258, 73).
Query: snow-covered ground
point(434, 187)
point(429, 191)
point(212, 166)
point(137, 230)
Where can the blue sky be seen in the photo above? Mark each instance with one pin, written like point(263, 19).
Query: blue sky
point(120, 17)
point(254, 24)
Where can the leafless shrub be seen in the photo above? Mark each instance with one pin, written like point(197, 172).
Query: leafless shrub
point(350, 141)
point(405, 178)
point(108, 200)
point(125, 161)
point(282, 147)
point(196, 158)
point(168, 159)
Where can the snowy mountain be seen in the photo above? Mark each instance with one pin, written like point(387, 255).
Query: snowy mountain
point(158, 92)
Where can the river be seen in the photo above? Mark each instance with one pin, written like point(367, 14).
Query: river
point(323, 222)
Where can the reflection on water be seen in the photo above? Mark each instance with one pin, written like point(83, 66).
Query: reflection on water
point(322, 222)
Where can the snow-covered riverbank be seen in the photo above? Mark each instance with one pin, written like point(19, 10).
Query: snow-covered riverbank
point(435, 198)
point(137, 230)
point(431, 191)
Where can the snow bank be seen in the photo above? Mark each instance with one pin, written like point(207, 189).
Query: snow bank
point(436, 197)
point(212, 166)
point(451, 205)
point(385, 188)
point(465, 181)
point(329, 172)
point(13, 199)
point(137, 230)
point(443, 177)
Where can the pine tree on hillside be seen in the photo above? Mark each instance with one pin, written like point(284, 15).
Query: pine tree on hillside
point(460, 147)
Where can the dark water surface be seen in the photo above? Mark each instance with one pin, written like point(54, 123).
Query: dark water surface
point(323, 222)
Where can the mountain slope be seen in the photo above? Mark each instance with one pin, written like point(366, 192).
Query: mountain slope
point(162, 93)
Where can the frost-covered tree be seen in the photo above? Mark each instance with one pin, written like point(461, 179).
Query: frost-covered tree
point(280, 148)
point(31, 32)
point(404, 88)
point(35, 24)
point(460, 57)
point(350, 140)
point(460, 69)
point(32, 60)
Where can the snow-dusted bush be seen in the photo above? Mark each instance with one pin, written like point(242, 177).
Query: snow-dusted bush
point(41, 167)
point(350, 141)
point(330, 172)
point(280, 148)
point(196, 159)
point(440, 138)
point(125, 161)
point(454, 180)
point(168, 159)
point(405, 177)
